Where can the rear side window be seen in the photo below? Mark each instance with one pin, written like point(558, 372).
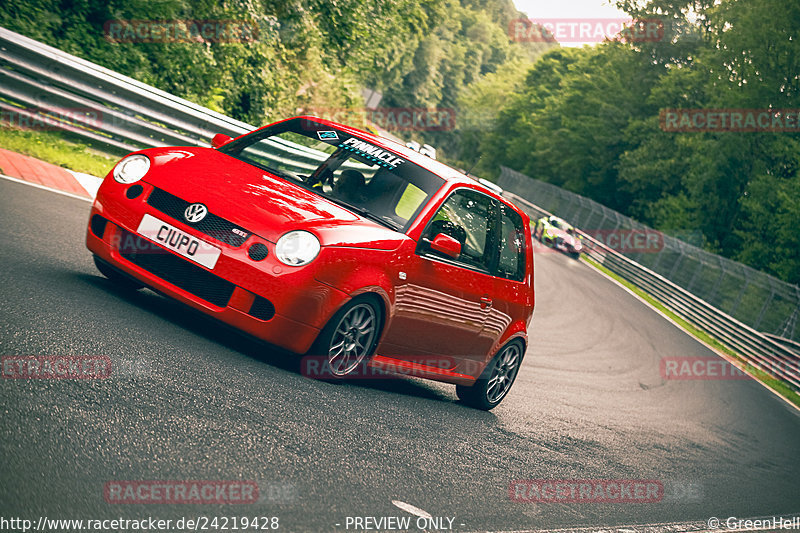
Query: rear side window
point(512, 245)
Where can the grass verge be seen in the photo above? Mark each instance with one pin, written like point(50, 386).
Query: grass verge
point(56, 148)
point(766, 378)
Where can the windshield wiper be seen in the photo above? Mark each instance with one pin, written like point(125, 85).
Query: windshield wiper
point(282, 173)
point(382, 220)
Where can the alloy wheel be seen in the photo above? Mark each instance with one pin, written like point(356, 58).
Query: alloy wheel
point(352, 339)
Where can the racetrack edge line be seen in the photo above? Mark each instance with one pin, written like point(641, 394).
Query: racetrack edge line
point(721, 354)
point(735, 362)
point(38, 186)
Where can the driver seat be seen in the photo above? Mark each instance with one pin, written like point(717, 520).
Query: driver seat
point(350, 186)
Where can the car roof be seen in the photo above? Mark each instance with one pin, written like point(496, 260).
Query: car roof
point(440, 169)
point(451, 176)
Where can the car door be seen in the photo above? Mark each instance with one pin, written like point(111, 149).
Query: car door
point(441, 310)
point(513, 293)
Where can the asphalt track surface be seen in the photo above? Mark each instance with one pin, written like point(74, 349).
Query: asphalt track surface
point(200, 402)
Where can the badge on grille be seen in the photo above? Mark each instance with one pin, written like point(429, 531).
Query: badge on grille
point(195, 213)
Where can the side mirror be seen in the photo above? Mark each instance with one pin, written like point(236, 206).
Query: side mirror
point(220, 139)
point(446, 245)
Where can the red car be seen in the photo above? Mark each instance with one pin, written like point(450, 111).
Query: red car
point(329, 241)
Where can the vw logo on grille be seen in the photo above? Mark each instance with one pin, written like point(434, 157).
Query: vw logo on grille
point(195, 213)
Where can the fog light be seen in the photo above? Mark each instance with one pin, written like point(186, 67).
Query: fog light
point(98, 226)
point(134, 191)
point(258, 252)
point(262, 309)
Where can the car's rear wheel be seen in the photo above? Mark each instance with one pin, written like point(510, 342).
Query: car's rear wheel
point(119, 279)
point(496, 379)
point(349, 339)
point(575, 255)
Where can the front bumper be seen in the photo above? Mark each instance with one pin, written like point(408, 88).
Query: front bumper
point(285, 306)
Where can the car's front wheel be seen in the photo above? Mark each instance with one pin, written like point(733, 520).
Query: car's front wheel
point(496, 380)
point(349, 339)
point(119, 279)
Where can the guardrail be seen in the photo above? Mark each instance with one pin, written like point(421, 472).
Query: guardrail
point(106, 107)
point(39, 82)
point(127, 115)
point(755, 298)
point(758, 349)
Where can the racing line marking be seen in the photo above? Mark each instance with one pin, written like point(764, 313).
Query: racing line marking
point(400, 504)
point(733, 361)
point(407, 507)
point(699, 527)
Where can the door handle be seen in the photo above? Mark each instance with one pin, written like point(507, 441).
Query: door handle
point(486, 302)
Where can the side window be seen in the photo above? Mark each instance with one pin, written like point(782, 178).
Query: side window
point(512, 245)
point(468, 217)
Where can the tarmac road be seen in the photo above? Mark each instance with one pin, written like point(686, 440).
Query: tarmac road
point(195, 401)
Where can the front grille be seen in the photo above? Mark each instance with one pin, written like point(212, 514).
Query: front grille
point(179, 272)
point(212, 225)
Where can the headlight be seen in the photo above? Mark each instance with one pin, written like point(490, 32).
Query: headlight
point(297, 248)
point(131, 169)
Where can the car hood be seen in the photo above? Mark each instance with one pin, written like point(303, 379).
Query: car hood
point(259, 201)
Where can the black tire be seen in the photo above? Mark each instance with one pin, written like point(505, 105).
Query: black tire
point(575, 255)
point(484, 394)
point(347, 343)
point(120, 280)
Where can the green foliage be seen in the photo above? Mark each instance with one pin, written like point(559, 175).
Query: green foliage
point(309, 56)
point(588, 120)
point(585, 119)
point(57, 148)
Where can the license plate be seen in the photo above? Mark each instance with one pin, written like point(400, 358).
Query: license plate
point(178, 241)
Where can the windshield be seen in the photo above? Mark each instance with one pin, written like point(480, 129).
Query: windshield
point(357, 174)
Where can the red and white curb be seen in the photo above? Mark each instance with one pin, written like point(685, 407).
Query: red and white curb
point(87, 181)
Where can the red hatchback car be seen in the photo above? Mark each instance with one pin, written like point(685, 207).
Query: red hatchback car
point(326, 240)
